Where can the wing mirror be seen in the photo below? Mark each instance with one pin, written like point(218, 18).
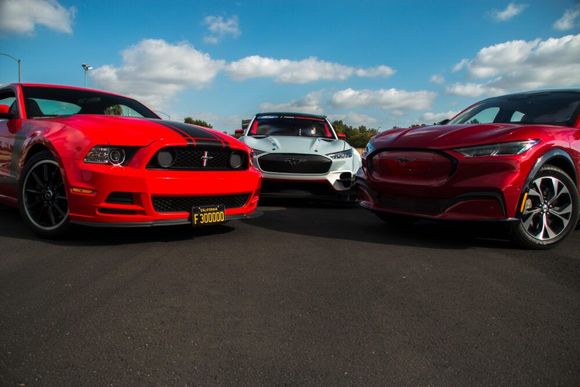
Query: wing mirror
point(238, 133)
point(5, 112)
point(341, 136)
point(444, 122)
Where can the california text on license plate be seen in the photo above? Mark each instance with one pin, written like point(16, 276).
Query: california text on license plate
point(205, 215)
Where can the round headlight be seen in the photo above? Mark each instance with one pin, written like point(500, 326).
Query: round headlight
point(236, 160)
point(117, 156)
point(165, 158)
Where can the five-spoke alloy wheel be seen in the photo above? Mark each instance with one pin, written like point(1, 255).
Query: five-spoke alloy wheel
point(43, 199)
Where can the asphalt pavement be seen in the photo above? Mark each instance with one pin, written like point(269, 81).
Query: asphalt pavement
point(307, 294)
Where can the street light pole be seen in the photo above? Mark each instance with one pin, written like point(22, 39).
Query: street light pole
point(86, 69)
point(18, 61)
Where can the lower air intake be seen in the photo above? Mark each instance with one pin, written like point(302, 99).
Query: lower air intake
point(186, 203)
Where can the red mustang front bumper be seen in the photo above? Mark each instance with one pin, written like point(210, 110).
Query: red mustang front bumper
point(125, 196)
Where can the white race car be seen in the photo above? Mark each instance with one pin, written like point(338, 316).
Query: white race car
point(300, 155)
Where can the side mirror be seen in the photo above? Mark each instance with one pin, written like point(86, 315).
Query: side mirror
point(444, 122)
point(238, 133)
point(341, 136)
point(5, 112)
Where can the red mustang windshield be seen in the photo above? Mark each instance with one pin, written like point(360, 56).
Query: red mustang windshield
point(290, 126)
point(56, 101)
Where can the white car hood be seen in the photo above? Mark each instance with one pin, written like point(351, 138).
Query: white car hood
point(295, 144)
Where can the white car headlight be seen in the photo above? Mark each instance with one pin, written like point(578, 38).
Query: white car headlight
point(502, 149)
point(346, 154)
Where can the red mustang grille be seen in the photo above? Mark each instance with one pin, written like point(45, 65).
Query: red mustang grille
point(412, 167)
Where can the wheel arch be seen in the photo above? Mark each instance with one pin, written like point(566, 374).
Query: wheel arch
point(557, 158)
point(33, 148)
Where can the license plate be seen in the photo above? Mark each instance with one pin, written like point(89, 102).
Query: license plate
point(206, 215)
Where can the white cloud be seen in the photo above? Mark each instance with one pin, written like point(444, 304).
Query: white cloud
point(379, 71)
point(568, 19)
point(219, 28)
point(392, 99)
point(355, 119)
point(522, 65)
point(303, 71)
point(511, 11)
point(437, 79)
point(154, 71)
point(460, 65)
point(22, 16)
point(311, 103)
point(430, 117)
point(472, 90)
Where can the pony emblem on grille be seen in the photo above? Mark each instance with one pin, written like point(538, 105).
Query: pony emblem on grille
point(205, 158)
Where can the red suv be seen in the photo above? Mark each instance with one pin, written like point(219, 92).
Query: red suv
point(511, 158)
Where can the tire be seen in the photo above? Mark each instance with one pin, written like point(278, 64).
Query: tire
point(349, 197)
point(42, 196)
point(396, 219)
point(552, 210)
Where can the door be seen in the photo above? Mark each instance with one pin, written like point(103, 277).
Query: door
point(7, 140)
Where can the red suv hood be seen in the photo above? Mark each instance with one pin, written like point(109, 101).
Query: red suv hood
point(132, 131)
point(452, 136)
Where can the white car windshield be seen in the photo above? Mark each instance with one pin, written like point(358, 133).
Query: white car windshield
point(290, 126)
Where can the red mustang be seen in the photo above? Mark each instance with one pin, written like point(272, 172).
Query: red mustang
point(514, 158)
point(71, 155)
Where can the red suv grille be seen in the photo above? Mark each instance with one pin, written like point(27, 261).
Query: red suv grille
point(412, 167)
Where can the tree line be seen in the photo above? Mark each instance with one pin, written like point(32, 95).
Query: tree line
point(358, 137)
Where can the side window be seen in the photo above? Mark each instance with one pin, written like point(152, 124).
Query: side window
point(8, 98)
point(121, 110)
point(517, 117)
point(485, 116)
point(49, 107)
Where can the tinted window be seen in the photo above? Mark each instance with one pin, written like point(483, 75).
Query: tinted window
point(7, 98)
point(49, 102)
point(290, 126)
point(56, 108)
point(549, 108)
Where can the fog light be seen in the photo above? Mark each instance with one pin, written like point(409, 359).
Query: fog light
point(345, 176)
point(236, 161)
point(165, 158)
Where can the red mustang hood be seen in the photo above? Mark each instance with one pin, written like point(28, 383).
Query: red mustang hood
point(131, 131)
point(452, 136)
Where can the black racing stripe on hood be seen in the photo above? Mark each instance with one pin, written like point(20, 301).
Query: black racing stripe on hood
point(196, 132)
point(195, 135)
point(212, 143)
point(185, 136)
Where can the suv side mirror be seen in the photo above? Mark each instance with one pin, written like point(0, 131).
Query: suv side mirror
point(341, 136)
point(238, 133)
point(5, 112)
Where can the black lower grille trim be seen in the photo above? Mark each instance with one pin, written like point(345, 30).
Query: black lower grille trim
point(314, 188)
point(186, 203)
point(294, 163)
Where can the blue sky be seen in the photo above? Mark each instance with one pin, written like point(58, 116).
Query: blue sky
point(379, 63)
